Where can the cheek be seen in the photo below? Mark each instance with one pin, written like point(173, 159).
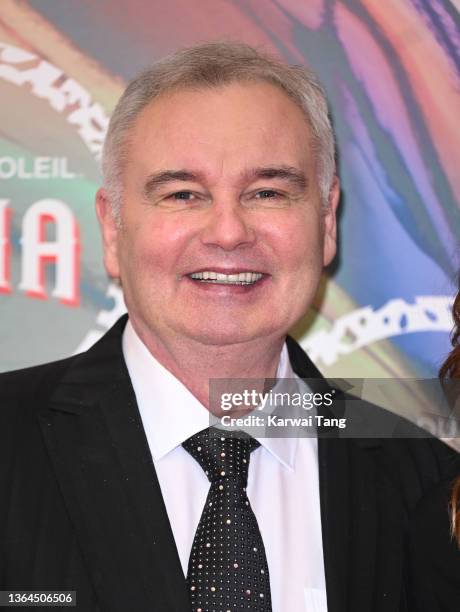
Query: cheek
point(300, 246)
point(152, 245)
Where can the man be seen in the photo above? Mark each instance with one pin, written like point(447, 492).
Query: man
point(218, 213)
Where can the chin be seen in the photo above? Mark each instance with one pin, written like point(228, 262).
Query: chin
point(224, 335)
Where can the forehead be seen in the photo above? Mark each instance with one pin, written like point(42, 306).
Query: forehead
point(227, 127)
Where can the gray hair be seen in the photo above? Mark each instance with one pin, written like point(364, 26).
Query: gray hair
point(212, 65)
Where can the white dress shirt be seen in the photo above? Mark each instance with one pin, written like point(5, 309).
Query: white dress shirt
point(283, 484)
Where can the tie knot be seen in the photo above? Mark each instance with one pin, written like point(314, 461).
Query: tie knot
point(222, 454)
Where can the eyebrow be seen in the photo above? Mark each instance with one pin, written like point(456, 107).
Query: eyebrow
point(286, 173)
point(168, 176)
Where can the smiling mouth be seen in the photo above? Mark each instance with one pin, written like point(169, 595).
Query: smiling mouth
point(218, 278)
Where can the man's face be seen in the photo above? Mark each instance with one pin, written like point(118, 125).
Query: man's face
point(219, 182)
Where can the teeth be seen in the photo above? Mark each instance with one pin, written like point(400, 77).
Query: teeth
point(243, 278)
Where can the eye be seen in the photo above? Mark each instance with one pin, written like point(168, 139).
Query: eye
point(267, 198)
point(267, 194)
point(183, 200)
point(182, 195)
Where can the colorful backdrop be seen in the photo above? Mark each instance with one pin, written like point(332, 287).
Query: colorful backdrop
point(391, 71)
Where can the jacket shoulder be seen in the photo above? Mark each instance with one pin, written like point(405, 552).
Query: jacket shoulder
point(33, 383)
point(415, 466)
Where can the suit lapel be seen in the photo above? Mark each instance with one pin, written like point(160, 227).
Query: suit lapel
point(334, 496)
point(348, 510)
point(96, 442)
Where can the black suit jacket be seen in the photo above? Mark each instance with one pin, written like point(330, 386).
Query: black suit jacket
point(81, 507)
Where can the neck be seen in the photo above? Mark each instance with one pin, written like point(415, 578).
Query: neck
point(194, 363)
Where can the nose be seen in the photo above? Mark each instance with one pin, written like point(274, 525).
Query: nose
point(228, 227)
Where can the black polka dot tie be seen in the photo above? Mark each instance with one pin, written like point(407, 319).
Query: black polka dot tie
point(227, 569)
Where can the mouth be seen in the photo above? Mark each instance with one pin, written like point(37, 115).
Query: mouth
point(219, 278)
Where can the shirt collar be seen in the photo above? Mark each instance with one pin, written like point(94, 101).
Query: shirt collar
point(171, 413)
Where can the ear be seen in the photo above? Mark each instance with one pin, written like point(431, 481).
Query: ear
point(109, 230)
point(330, 222)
